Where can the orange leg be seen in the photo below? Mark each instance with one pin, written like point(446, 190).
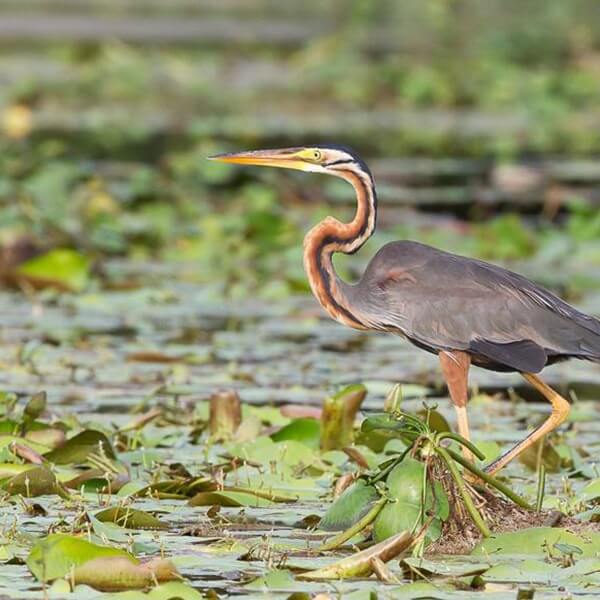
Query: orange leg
point(560, 411)
point(455, 368)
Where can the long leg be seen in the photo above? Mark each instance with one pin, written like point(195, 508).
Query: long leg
point(455, 368)
point(560, 411)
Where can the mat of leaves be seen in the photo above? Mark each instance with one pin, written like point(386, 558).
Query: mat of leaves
point(111, 481)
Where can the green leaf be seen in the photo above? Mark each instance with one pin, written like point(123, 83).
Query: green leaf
point(338, 416)
point(109, 532)
point(590, 492)
point(7, 440)
point(568, 549)
point(304, 430)
point(130, 518)
point(174, 590)
point(112, 573)
point(55, 555)
point(385, 422)
point(550, 457)
point(435, 420)
point(446, 566)
point(8, 470)
point(9, 426)
point(61, 268)
point(526, 571)
point(273, 580)
point(538, 541)
point(406, 511)
point(353, 504)
point(224, 498)
point(36, 480)
point(78, 448)
point(36, 405)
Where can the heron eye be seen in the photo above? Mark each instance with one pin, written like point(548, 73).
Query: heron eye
point(317, 155)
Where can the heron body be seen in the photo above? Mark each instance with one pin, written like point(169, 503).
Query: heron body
point(464, 310)
point(441, 301)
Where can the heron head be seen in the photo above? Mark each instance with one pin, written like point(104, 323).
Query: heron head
point(317, 159)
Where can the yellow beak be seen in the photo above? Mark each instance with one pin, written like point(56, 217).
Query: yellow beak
point(286, 158)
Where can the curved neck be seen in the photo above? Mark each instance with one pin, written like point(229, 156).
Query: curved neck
point(331, 236)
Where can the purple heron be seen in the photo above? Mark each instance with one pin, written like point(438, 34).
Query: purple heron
point(464, 310)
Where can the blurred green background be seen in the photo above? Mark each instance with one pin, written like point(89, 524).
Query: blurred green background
point(480, 121)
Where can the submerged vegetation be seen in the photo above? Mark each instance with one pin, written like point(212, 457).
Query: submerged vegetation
point(177, 419)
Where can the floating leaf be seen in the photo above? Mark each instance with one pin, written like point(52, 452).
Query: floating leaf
point(174, 590)
point(526, 571)
point(64, 269)
point(445, 566)
point(55, 555)
point(304, 430)
point(130, 518)
point(277, 579)
point(538, 541)
point(98, 480)
point(568, 549)
point(78, 448)
point(353, 504)
point(112, 573)
point(224, 498)
point(590, 492)
point(8, 470)
point(37, 480)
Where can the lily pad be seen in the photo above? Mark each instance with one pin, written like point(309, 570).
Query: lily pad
point(37, 480)
point(412, 501)
point(353, 504)
point(79, 447)
point(304, 430)
point(62, 268)
point(54, 556)
point(538, 541)
point(130, 518)
point(228, 499)
point(110, 573)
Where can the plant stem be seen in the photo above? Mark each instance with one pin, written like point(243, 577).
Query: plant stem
point(463, 442)
point(385, 472)
point(349, 533)
point(460, 484)
point(503, 489)
point(539, 501)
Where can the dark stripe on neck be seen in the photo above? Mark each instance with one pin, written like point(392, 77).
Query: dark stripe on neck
point(328, 240)
point(342, 161)
point(370, 206)
point(325, 276)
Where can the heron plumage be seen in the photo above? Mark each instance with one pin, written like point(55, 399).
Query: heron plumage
point(444, 301)
point(465, 310)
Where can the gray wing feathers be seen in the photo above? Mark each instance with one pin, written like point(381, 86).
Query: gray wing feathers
point(446, 301)
point(523, 356)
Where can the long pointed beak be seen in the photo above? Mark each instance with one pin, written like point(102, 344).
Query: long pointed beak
point(285, 158)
